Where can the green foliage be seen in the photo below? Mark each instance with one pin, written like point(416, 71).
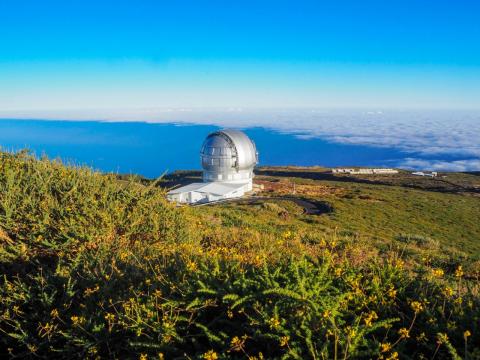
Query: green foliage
point(94, 267)
point(49, 207)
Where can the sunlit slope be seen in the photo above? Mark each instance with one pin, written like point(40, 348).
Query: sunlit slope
point(101, 266)
point(378, 212)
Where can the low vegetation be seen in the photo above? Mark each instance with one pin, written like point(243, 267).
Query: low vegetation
point(96, 267)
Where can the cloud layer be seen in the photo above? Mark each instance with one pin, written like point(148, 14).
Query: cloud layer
point(441, 165)
point(439, 140)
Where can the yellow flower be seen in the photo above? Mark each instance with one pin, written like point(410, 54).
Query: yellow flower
point(442, 338)
point(459, 271)
point(404, 333)
point(237, 344)
point(143, 356)
point(370, 318)
point(392, 293)
point(210, 355)
point(77, 320)
point(385, 347)
point(438, 273)
point(16, 309)
point(32, 348)
point(284, 341)
point(109, 317)
point(351, 332)
point(274, 323)
point(448, 291)
point(393, 356)
point(123, 255)
point(326, 314)
point(54, 313)
point(417, 306)
point(192, 266)
point(466, 334)
point(90, 291)
point(45, 329)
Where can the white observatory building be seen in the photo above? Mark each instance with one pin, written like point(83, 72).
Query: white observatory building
point(228, 158)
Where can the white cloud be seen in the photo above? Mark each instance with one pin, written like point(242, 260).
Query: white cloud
point(441, 165)
point(420, 134)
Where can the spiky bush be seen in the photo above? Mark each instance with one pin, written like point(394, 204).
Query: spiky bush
point(93, 267)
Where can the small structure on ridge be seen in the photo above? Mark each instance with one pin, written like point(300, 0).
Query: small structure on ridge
point(362, 171)
point(228, 158)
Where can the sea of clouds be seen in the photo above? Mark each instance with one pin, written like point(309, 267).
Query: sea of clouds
point(436, 140)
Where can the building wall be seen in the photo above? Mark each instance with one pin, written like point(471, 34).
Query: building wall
point(364, 171)
point(192, 197)
point(230, 176)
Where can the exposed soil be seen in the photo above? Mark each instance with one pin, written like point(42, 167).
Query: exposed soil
point(287, 187)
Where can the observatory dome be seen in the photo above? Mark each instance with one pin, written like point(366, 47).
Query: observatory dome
point(228, 156)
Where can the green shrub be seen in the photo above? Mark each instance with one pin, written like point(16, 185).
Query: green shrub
point(93, 267)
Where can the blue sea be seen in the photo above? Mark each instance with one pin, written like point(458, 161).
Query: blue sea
point(151, 149)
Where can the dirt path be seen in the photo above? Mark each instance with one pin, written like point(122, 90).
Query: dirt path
point(309, 207)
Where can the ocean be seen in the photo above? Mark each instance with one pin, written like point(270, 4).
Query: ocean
point(151, 149)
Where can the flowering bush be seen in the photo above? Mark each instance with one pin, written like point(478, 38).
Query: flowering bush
point(93, 267)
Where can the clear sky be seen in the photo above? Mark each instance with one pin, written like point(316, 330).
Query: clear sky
point(201, 53)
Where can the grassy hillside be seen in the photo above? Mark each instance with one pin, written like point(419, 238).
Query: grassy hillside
point(383, 209)
point(97, 267)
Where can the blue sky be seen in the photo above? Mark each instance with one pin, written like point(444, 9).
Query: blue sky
point(140, 54)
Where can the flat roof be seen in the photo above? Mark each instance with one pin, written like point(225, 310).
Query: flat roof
point(216, 188)
point(186, 188)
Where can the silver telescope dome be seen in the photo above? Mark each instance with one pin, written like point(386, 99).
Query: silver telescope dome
point(228, 156)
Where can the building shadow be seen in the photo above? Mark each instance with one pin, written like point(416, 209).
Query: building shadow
point(180, 178)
